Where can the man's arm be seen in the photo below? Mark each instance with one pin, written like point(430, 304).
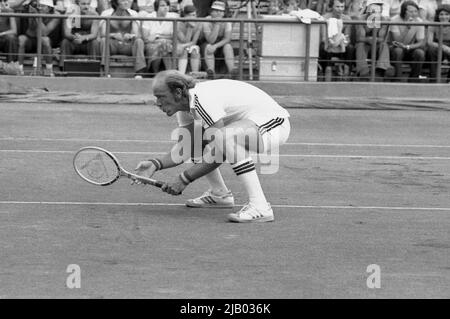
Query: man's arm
point(49, 27)
point(176, 156)
point(94, 31)
point(226, 38)
point(13, 27)
point(211, 31)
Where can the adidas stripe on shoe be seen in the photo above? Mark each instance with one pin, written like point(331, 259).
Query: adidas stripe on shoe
point(250, 214)
point(210, 200)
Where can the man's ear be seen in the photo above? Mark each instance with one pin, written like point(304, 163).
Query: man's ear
point(178, 94)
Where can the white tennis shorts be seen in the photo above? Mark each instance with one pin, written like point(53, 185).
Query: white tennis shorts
point(275, 133)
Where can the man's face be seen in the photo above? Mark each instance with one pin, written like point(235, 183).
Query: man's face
point(124, 4)
point(163, 8)
point(217, 14)
point(411, 13)
point(84, 5)
point(338, 8)
point(168, 102)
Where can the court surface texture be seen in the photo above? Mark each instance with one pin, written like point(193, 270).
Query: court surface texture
point(354, 188)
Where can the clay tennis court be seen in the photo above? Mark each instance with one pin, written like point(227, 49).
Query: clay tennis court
point(354, 188)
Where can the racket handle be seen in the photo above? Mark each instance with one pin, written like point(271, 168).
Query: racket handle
point(158, 184)
point(145, 180)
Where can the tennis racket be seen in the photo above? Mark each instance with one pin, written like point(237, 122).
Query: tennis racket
point(100, 167)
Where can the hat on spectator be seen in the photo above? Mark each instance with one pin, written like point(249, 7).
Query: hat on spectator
point(188, 9)
point(218, 5)
point(48, 3)
point(369, 2)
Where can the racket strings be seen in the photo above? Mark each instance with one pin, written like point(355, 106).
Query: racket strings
point(96, 166)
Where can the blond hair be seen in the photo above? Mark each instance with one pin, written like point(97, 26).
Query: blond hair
point(174, 79)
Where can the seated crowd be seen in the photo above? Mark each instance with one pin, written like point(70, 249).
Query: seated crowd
point(345, 49)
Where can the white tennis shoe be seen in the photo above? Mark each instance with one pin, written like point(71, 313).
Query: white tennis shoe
point(209, 200)
point(251, 214)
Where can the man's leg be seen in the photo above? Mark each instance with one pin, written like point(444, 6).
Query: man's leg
point(48, 57)
point(237, 140)
point(10, 46)
point(209, 60)
point(433, 55)
point(66, 51)
point(417, 57)
point(218, 196)
point(362, 68)
point(229, 57)
point(397, 55)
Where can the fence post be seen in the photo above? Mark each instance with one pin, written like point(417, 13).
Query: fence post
point(307, 49)
point(373, 54)
point(241, 49)
point(39, 45)
point(108, 29)
point(174, 44)
point(439, 57)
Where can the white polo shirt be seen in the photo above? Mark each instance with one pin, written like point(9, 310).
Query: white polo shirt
point(230, 101)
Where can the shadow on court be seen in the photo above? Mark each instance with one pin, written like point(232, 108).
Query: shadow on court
point(354, 188)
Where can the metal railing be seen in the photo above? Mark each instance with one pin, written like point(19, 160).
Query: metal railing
point(241, 22)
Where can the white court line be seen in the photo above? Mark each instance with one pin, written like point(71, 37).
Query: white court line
point(169, 141)
point(281, 155)
point(277, 206)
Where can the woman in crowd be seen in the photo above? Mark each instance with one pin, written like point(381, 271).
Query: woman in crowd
point(123, 35)
point(158, 35)
point(442, 15)
point(188, 35)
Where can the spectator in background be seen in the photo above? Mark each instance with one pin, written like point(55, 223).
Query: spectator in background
point(80, 35)
point(188, 35)
point(218, 41)
point(289, 5)
point(391, 8)
point(123, 36)
point(335, 39)
point(175, 7)
point(146, 5)
point(8, 33)
point(408, 42)
point(364, 34)
point(442, 14)
point(354, 8)
point(203, 7)
point(158, 37)
point(49, 28)
point(274, 7)
point(427, 9)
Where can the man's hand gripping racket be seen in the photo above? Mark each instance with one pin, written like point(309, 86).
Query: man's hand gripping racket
point(100, 167)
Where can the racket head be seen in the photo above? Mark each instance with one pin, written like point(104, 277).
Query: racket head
point(96, 165)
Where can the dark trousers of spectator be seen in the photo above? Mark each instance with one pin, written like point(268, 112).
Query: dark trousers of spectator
point(347, 57)
point(133, 48)
point(433, 55)
point(363, 51)
point(68, 48)
point(9, 44)
point(414, 57)
point(27, 44)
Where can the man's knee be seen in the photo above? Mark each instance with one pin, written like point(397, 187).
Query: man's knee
point(419, 55)
point(397, 54)
point(46, 42)
point(22, 40)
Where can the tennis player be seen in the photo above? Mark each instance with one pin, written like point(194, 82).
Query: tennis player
point(237, 119)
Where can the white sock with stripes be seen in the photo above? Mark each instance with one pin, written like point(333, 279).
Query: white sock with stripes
point(217, 183)
point(246, 173)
